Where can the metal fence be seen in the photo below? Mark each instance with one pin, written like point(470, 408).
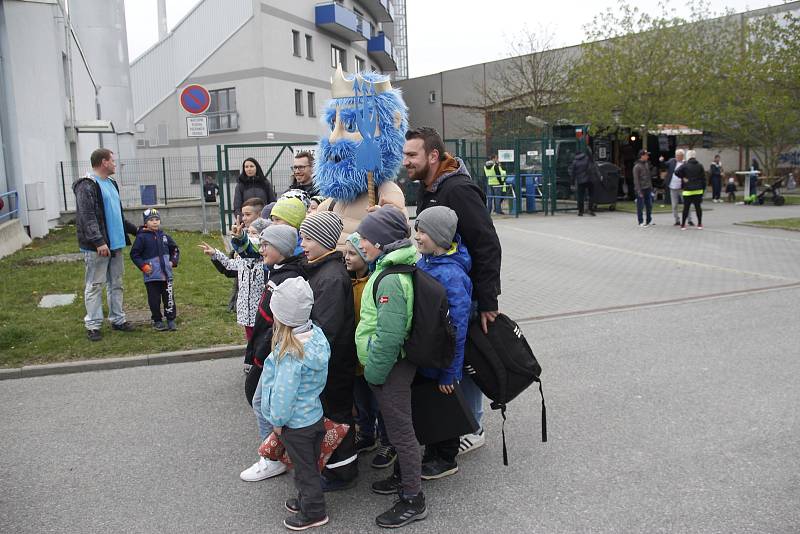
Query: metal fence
point(147, 181)
point(10, 209)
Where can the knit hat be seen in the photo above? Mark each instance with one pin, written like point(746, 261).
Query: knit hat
point(283, 238)
point(150, 213)
point(355, 240)
point(267, 211)
point(440, 223)
point(291, 210)
point(325, 227)
point(384, 226)
point(259, 224)
point(299, 194)
point(291, 302)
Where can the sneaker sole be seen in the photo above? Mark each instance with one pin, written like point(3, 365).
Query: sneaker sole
point(443, 474)
point(319, 523)
point(383, 466)
point(417, 517)
point(259, 479)
point(392, 491)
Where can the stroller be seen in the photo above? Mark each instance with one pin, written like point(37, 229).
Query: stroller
point(774, 190)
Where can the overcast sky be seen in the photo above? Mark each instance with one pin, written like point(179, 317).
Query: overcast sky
point(462, 36)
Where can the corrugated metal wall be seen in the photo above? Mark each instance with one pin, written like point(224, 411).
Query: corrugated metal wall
point(157, 72)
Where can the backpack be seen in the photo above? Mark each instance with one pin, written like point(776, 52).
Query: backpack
point(502, 365)
point(432, 340)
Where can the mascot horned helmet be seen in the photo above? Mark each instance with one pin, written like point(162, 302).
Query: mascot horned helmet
point(337, 170)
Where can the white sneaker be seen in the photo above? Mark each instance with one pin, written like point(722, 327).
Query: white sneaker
point(470, 442)
point(262, 470)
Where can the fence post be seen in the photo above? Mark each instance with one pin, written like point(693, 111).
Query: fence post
point(221, 186)
point(164, 178)
point(63, 184)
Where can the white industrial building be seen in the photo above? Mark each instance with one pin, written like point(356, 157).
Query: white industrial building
point(266, 64)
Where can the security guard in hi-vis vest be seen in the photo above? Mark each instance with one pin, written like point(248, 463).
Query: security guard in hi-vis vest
point(496, 180)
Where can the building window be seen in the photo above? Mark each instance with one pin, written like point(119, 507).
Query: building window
point(338, 57)
point(298, 102)
point(312, 104)
point(360, 64)
point(296, 43)
point(222, 113)
point(432, 97)
point(309, 48)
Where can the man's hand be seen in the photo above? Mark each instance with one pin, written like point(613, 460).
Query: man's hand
point(103, 250)
point(207, 249)
point(447, 389)
point(278, 430)
point(486, 318)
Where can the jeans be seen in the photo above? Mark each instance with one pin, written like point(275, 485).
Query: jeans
point(584, 191)
point(716, 187)
point(474, 397)
point(644, 200)
point(675, 197)
point(498, 202)
point(368, 412)
point(102, 271)
point(264, 426)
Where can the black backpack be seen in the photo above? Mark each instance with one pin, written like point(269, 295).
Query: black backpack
point(432, 340)
point(502, 365)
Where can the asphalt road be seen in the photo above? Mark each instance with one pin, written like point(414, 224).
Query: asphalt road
point(674, 418)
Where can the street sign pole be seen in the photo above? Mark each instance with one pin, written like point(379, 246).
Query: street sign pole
point(195, 99)
point(202, 184)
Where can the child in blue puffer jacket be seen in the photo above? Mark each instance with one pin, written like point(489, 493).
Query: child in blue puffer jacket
point(156, 254)
point(447, 260)
point(293, 378)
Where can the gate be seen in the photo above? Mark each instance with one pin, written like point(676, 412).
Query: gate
point(275, 160)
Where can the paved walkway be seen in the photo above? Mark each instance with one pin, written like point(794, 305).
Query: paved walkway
point(680, 417)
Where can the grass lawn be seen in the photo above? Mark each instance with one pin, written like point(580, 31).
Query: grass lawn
point(30, 335)
point(791, 199)
point(792, 223)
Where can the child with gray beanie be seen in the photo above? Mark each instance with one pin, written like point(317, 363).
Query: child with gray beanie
point(277, 243)
point(446, 259)
point(294, 376)
point(334, 313)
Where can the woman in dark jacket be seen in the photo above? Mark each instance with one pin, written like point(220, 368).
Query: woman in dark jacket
point(251, 184)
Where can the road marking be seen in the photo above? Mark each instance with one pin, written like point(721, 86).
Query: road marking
point(647, 255)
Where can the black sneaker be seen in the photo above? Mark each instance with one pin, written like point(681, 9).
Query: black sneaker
point(336, 484)
point(292, 505)
point(676, 223)
point(385, 457)
point(593, 214)
point(160, 326)
point(300, 522)
point(94, 335)
point(388, 486)
point(438, 468)
point(123, 327)
point(365, 443)
point(171, 324)
point(404, 511)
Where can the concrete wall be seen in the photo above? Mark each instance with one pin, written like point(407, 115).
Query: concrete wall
point(179, 216)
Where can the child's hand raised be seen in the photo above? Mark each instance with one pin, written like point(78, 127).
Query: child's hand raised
point(207, 249)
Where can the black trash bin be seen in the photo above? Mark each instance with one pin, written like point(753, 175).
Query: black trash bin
point(604, 186)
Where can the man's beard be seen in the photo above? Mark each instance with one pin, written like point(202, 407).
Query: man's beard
point(419, 175)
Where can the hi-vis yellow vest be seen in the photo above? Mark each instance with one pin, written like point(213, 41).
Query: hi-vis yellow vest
point(491, 176)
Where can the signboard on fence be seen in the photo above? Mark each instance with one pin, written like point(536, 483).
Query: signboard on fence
point(505, 156)
point(197, 126)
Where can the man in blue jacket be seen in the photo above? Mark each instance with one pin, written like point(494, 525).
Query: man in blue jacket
point(102, 234)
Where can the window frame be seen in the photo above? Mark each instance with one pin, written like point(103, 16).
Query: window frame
point(309, 47)
point(311, 100)
point(296, 43)
point(298, 102)
point(216, 116)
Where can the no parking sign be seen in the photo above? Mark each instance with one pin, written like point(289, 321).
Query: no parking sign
point(195, 99)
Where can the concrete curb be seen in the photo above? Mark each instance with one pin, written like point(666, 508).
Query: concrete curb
point(767, 227)
point(181, 356)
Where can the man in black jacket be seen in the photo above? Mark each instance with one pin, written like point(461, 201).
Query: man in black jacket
point(581, 170)
point(102, 234)
point(302, 173)
point(445, 181)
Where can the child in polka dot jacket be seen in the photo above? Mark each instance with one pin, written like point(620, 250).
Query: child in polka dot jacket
point(294, 375)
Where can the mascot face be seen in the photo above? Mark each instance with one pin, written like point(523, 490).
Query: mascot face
point(336, 173)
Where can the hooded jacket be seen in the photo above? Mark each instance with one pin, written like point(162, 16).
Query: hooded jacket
point(255, 187)
point(291, 386)
point(693, 175)
point(579, 168)
point(457, 191)
point(251, 285)
point(157, 249)
point(90, 215)
point(334, 312)
point(385, 325)
point(451, 270)
point(258, 347)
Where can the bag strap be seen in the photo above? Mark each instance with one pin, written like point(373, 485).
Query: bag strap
point(394, 269)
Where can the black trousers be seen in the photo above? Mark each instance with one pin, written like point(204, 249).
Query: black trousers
point(158, 292)
point(695, 200)
point(584, 192)
point(303, 446)
point(337, 404)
